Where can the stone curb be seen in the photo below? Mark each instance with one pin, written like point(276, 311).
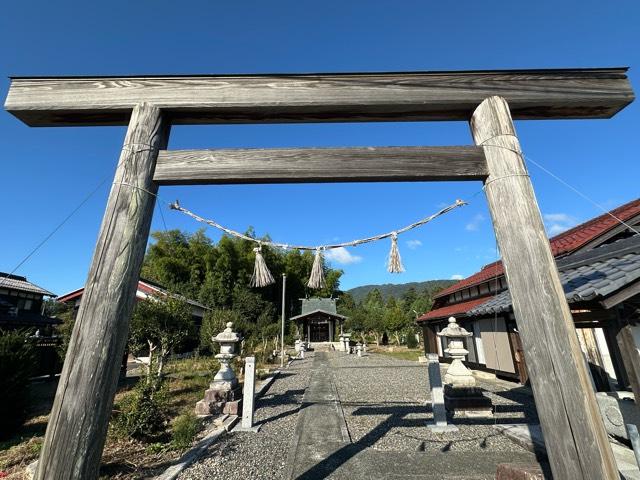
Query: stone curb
point(198, 451)
point(264, 386)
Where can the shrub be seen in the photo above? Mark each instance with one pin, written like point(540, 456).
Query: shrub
point(184, 430)
point(411, 340)
point(143, 413)
point(16, 366)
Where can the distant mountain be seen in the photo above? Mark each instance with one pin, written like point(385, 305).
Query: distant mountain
point(397, 289)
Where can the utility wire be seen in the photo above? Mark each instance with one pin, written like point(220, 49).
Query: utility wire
point(53, 232)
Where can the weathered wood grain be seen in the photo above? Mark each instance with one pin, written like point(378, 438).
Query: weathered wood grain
point(78, 423)
point(574, 433)
point(629, 353)
point(306, 165)
point(346, 97)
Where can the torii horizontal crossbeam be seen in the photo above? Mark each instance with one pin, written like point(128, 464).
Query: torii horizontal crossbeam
point(316, 165)
point(341, 97)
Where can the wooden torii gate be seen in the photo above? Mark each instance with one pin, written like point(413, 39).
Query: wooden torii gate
point(576, 441)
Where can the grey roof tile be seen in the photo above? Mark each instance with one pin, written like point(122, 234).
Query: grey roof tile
point(585, 276)
point(23, 286)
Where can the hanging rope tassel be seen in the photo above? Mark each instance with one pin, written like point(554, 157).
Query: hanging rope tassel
point(394, 265)
point(316, 279)
point(261, 275)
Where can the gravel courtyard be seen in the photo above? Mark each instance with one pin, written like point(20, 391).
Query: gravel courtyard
point(383, 402)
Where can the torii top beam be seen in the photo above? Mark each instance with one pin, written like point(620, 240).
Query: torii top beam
point(339, 97)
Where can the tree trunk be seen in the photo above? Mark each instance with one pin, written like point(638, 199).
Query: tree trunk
point(152, 348)
point(161, 358)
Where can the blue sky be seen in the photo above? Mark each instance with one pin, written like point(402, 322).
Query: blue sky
point(46, 172)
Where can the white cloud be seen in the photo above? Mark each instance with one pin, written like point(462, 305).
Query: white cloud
point(457, 276)
point(413, 244)
point(556, 223)
point(474, 224)
point(342, 256)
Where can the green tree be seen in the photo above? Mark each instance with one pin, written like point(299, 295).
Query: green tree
point(159, 324)
point(213, 323)
point(373, 314)
point(395, 319)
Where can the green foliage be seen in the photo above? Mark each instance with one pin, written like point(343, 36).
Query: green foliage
point(184, 430)
point(16, 366)
point(411, 341)
point(160, 323)
point(142, 414)
point(218, 275)
point(214, 322)
point(67, 314)
point(370, 316)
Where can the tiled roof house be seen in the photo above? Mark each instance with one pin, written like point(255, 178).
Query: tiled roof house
point(598, 261)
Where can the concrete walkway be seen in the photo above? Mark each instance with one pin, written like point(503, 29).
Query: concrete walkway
point(321, 431)
point(322, 447)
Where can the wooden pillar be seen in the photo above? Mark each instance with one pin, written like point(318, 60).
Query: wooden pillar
point(629, 354)
point(577, 444)
point(78, 422)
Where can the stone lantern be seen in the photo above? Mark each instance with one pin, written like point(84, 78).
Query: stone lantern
point(228, 339)
point(223, 395)
point(457, 374)
point(461, 396)
point(346, 338)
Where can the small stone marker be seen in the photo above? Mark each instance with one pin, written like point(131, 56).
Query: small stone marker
point(437, 397)
point(248, 396)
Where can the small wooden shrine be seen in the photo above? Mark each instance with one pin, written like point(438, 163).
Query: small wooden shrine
point(319, 320)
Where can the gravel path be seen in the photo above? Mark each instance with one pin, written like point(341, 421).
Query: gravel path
point(383, 401)
point(260, 456)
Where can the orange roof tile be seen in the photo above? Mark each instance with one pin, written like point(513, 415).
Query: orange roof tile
point(565, 242)
point(450, 310)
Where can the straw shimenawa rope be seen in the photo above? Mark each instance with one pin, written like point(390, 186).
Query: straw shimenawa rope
point(261, 275)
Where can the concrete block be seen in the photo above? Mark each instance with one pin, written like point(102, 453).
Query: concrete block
point(516, 471)
point(528, 437)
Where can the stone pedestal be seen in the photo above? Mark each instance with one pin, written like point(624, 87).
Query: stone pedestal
point(467, 402)
point(216, 398)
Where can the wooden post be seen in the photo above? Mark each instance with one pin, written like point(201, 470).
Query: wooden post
point(577, 444)
point(78, 423)
point(629, 354)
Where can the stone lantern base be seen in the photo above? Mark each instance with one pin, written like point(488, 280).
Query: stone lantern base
point(461, 401)
point(220, 398)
